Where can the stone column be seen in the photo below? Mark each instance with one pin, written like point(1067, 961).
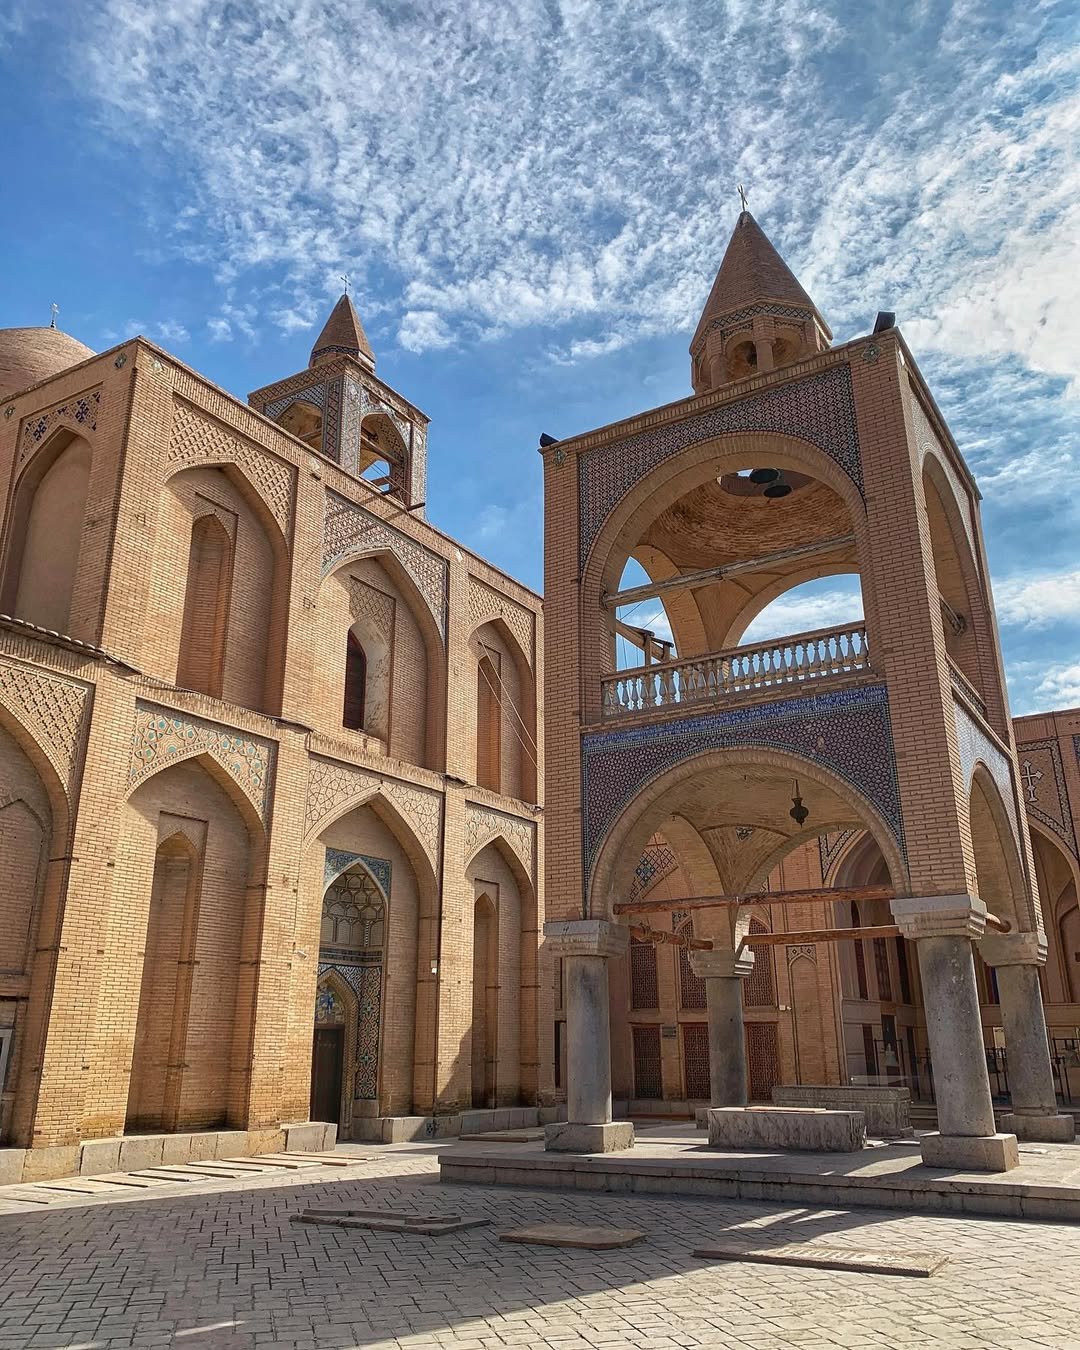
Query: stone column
point(1016, 957)
point(943, 928)
point(723, 973)
point(585, 946)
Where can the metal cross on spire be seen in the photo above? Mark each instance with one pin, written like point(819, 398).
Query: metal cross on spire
point(55, 308)
point(742, 196)
point(345, 281)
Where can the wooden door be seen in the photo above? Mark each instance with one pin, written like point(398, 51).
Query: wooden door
point(326, 1068)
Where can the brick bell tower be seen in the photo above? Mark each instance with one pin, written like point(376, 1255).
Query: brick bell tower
point(793, 459)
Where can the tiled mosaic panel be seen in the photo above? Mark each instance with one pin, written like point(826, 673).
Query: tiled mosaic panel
point(80, 412)
point(1042, 786)
point(847, 732)
point(657, 862)
point(366, 983)
point(338, 860)
point(819, 409)
point(831, 845)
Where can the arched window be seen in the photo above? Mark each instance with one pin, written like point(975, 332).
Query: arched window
point(488, 726)
point(201, 664)
point(43, 579)
point(355, 684)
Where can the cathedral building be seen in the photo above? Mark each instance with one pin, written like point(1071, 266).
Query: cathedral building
point(270, 766)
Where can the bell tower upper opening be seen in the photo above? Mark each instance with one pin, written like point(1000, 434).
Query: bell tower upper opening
point(757, 317)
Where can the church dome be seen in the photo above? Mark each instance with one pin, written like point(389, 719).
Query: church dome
point(28, 355)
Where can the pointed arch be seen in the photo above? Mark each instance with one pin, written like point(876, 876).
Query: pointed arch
point(207, 598)
point(506, 749)
point(46, 516)
point(999, 869)
point(337, 1006)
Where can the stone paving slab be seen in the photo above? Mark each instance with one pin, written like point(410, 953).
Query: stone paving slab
point(818, 1256)
point(591, 1237)
point(218, 1265)
point(392, 1220)
point(672, 1161)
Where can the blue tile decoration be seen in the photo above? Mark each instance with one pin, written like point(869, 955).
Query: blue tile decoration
point(819, 409)
point(976, 746)
point(846, 731)
point(362, 971)
point(338, 860)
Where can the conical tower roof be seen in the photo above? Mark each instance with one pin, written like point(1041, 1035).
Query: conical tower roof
point(752, 273)
point(343, 334)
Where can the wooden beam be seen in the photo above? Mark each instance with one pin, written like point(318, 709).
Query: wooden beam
point(659, 938)
point(809, 897)
point(707, 575)
point(821, 935)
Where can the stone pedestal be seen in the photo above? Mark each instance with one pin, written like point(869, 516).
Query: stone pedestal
point(943, 928)
point(1016, 958)
point(586, 946)
point(723, 973)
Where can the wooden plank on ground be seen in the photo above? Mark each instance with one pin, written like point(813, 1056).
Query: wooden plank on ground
point(820, 1256)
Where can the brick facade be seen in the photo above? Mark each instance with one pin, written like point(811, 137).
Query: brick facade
point(178, 789)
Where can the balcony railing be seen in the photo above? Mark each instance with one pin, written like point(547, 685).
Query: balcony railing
point(799, 659)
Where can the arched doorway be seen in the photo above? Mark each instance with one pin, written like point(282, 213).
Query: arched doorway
point(348, 998)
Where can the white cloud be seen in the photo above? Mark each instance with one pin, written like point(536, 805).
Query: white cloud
point(220, 330)
point(575, 162)
point(1038, 600)
point(794, 613)
point(422, 329)
point(1059, 688)
point(171, 330)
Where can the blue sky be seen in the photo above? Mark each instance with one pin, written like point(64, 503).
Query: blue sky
point(532, 200)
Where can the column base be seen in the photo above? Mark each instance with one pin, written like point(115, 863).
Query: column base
point(971, 1153)
point(568, 1136)
point(1040, 1129)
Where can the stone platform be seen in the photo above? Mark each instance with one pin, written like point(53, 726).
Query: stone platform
point(672, 1160)
point(807, 1129)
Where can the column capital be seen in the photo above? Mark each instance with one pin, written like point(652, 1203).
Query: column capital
point(585, 937)
point(927, 916)
point(1013, 949)
point(722, 964)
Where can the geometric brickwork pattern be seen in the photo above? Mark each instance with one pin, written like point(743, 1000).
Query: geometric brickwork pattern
point(485, 604)
point(482, 825)
point(53, 710)
point(975, 746)
point(197, 439)
point(736, 320)
point(657, 862)
point(80, 413)
point(332, 786)
point(1042, 783)
point(847, 732)
point(349, 529)
point(819, 409)
point(161, 737)
point(831, 844)
point(368, 602)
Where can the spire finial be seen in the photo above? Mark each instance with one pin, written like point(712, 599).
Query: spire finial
point(742, 196)
point(345, 281)
point(55, 308)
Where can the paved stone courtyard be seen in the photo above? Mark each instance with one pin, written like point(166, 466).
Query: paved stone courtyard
point(220, 1266)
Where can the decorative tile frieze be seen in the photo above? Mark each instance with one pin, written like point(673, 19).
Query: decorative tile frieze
point(486, 604)
point(847, 732)
point(198, 439)
point(1042, 786)
point(657, 862)
point(161, 737)
point(831, 845)
point(339, 860)
point(819, 408)
point(53, 710)
point(334, 788)
point(79, 413)
point(976, 747)
point(350, 531)
point(740, 319)
point(483, 824)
